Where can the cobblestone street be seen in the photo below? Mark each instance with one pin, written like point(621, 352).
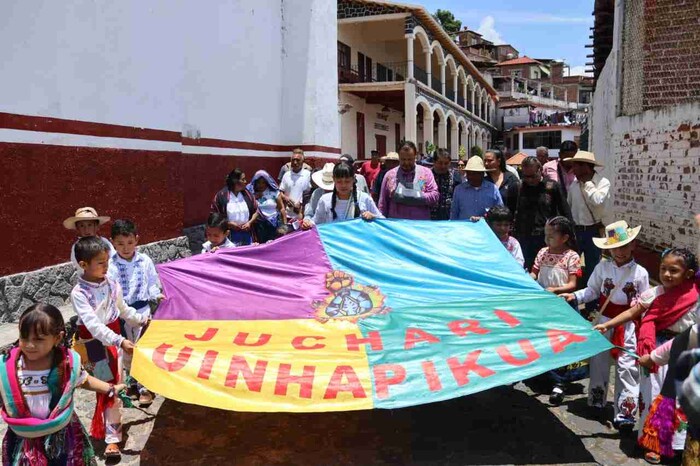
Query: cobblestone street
point(507, 425)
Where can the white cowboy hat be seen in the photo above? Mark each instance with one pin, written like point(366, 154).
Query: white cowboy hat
point(324, 178)
point(585, 157)
point(475, 164)
point(617, 235)
point(84, 213)
point(391, 156)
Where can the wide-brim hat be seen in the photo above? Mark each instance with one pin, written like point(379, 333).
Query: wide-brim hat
point(84, 214)
point(617, 235)
point(391, 156)
point(324, 177)
point(585, 157)
point(475, 164)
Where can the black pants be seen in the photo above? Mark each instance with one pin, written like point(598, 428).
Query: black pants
point(531, 245)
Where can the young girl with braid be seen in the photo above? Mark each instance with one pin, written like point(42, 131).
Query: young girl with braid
point(345, 202)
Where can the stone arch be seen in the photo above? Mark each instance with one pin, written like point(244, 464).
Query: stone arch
point(422, 37)
point(441, 56)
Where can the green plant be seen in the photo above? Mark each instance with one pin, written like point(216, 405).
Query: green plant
point(476, 150)
point(430, 148)
point(462, 152)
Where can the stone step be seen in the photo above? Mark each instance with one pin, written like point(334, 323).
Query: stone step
point(9, 331)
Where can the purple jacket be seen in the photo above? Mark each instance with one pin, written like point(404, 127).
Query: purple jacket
point(424, 180)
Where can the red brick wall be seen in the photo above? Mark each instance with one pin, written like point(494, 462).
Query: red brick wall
point(671, 52)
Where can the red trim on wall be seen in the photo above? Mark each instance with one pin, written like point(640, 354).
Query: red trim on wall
point(87, 128)
point(223, 143)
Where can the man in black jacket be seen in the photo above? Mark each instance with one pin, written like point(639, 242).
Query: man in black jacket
point(539, 201)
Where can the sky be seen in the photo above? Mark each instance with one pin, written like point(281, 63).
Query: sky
point(539, 29)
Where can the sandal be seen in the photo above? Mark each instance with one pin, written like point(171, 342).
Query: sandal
point(112, 451)
point(146, 398)
point(652, 458)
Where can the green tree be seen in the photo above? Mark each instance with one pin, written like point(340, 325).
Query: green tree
point(476, 150)
point(448, 22)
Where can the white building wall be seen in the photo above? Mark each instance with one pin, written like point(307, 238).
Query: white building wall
point(242, 70)
point(349, 125)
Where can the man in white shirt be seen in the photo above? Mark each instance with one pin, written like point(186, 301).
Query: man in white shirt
point(296, 184)
point(588, 197)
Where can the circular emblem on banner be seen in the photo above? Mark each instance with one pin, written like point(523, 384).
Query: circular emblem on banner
point(348, 300)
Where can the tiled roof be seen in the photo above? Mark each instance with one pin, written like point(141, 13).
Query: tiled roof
point(520, 61)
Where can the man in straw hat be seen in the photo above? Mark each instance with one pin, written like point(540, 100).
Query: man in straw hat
point(86, 223)
point(588, 197)
point(324, 180)
point(475, 196)
point(616, 285)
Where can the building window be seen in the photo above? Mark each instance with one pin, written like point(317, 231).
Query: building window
point(550, 139)
point(343, 56)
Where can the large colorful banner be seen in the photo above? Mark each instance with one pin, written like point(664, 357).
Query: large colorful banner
point(355, 315)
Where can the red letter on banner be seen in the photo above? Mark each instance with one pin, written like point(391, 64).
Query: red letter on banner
point(462, 327)
point(382, 381)
point(431, 376)
point(298, 343)
point(507, 317)
point(461, 371)
point(373, 338)
point(336, 384)
point(415, 335)
point(253, 379)
point(183, 356)
point(208, 335)
point(305, 381)
point(241, 338)
point(207, 364)
point(531, 354)
point(560, 339)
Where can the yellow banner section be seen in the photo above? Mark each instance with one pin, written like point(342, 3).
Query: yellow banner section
point(264, 365)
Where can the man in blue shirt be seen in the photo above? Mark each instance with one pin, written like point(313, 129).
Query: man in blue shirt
point(476, 195)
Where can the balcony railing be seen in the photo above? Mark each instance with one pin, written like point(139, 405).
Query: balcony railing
point(436, 85)
point(420, 74)
point(380, 72)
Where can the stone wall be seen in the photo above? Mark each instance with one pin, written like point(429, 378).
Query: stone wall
point(53, 284)
point(351, 9)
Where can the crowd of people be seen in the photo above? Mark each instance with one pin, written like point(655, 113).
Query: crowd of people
point(548, 215)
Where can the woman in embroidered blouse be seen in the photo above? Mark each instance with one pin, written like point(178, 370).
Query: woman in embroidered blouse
point(239, 206)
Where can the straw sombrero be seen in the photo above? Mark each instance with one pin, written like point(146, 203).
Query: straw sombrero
point(475, 164)
point(617, 235)
point(82, 214)
point(585, 157)
point(324, 177)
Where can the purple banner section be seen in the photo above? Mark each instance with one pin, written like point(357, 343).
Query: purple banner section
point(277, 280)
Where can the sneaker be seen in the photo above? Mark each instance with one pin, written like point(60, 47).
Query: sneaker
point(557, 395)
point(624, 425)
point(146, 398)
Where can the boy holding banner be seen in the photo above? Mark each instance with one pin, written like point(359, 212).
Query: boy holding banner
point(617, 285)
